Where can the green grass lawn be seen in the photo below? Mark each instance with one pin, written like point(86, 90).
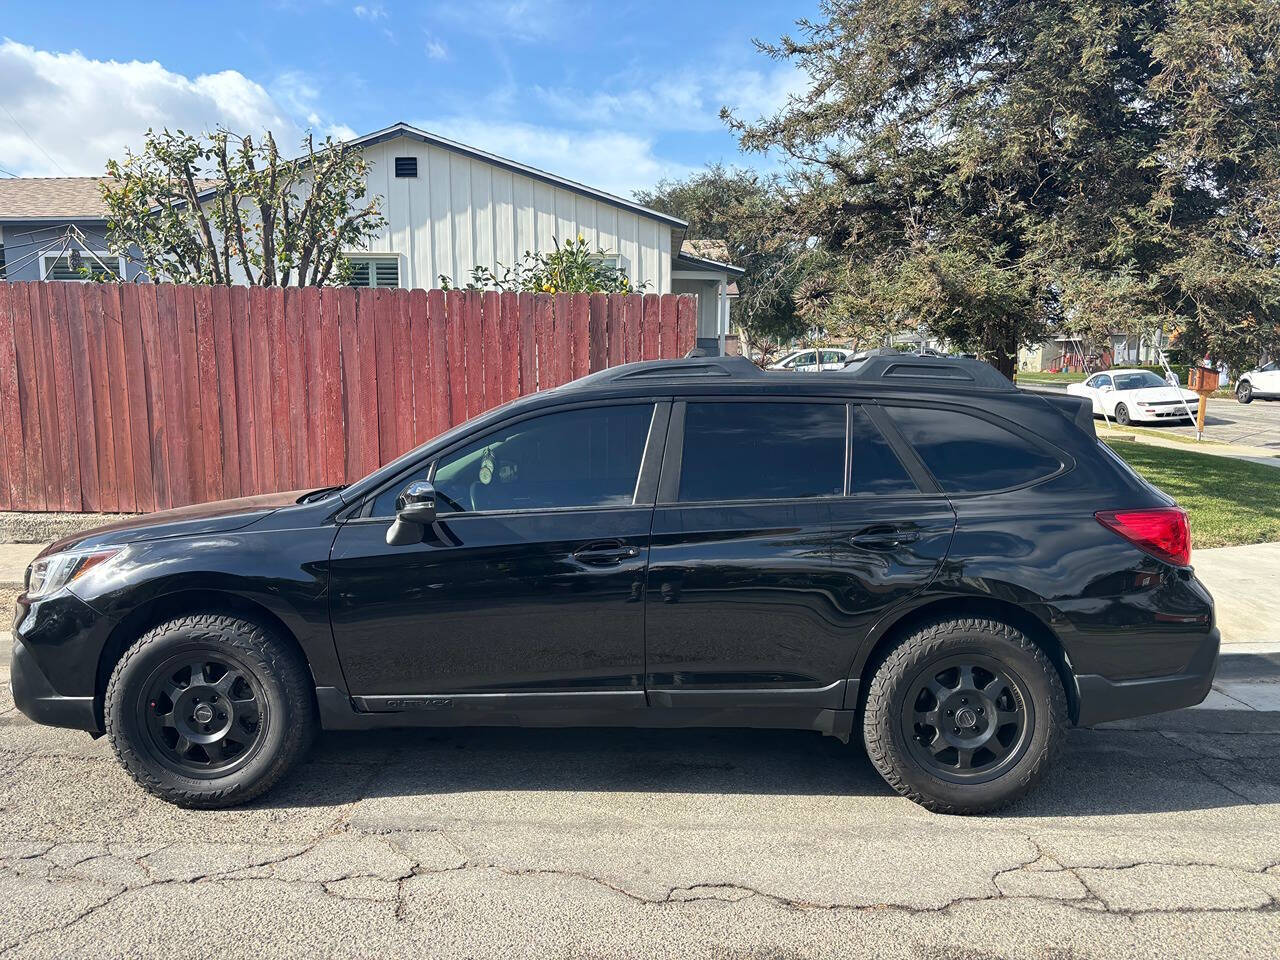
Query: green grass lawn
point(1229, 501)
point(1044, 376)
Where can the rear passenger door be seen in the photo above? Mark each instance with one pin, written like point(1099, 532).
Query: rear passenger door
point(757, 589)
point(890, 535)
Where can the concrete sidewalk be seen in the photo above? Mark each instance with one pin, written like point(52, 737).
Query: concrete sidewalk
point(14, 558)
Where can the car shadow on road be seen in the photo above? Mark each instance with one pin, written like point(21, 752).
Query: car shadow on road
point(1100, 772)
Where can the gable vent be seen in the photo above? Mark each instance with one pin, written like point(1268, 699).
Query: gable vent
point(406, 166)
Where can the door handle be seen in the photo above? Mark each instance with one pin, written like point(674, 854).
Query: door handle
point(602, 554)
point(884, 537)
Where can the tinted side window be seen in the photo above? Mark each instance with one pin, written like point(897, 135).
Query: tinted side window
point(966, 454)
point(576, 458)
point(876, 468)
point(762, 451)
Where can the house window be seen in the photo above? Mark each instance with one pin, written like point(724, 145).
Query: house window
point(2, 276)
point(100, 266)
point(614, 261)
point(375, 271)
point(406, 166)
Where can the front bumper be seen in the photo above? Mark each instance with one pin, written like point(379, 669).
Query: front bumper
point(58, 642)
point(34, 695)
point(1101, 699)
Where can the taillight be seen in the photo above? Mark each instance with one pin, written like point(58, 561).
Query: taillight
point(1163, 531)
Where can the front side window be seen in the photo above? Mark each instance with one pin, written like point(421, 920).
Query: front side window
point(575, 458)
point(762, 451)
point(966, 454)
point(1100, 381)
point(803, 359)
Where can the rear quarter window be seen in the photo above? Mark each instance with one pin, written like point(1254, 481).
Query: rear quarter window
point(967, 454)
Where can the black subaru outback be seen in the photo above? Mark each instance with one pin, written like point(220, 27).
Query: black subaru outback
point(912, 547)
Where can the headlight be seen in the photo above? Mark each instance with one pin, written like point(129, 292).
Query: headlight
point(50, 574)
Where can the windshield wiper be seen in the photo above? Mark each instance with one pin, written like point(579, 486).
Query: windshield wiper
point(319, 494)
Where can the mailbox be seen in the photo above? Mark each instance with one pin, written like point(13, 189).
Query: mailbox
point(1202, 379)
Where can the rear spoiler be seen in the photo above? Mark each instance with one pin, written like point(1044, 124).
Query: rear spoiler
point(1079, 410)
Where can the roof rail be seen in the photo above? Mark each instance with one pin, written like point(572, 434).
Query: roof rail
point(689, 366)
point(916, 370)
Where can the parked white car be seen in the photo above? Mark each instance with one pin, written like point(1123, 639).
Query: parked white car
point(1263, 382)
point(1127, 396)
point(808, 361)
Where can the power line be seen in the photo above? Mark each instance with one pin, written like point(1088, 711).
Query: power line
point(8, 173)
point(33, 140)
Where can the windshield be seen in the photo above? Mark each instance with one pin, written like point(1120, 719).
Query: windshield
point(1137, 381)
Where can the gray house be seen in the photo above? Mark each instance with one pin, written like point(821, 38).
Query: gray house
point(449, 207)
point(51, 226)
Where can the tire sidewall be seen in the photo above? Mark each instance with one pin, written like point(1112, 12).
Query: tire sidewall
point(131, 739)
point(1031, 672)
point(1244, 392)
point(1122, 415)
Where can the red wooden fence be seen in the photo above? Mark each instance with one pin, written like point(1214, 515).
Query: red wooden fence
point(137, 397)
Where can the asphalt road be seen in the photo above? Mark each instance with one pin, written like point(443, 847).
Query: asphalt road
point(1255, 424)
point(1158, 838)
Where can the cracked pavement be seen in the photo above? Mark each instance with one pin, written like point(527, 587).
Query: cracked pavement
point(1158, 837)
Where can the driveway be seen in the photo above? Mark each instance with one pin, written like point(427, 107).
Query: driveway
point(1160, 837)
point(1255, 424)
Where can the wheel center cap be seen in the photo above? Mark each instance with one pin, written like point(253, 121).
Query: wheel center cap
point(203, 713)
point(965, 717)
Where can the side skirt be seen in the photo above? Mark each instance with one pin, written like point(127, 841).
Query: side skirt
point(338, 711)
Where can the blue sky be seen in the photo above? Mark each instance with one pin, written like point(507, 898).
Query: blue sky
point(615, 94)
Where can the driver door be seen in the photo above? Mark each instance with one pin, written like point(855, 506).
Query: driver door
point(527, 591)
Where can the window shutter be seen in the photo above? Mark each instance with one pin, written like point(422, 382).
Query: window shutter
point(387, 273)
point(406, 166)
point(359, 273)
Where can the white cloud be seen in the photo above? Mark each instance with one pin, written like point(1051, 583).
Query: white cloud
point(83, 111)
point(433, 47)
point(372, 12)
point(608, 160)
point(689, 100)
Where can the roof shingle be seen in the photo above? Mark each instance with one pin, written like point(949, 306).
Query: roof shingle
point(71, 198)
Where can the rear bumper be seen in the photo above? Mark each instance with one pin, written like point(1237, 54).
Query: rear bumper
point(1101, 699)
point(34, 695)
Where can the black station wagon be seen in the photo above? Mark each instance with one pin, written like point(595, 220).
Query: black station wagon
point(910, 548)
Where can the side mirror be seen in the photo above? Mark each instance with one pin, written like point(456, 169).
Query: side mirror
point(415, 509)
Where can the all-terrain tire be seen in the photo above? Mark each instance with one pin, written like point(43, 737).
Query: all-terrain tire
point(899, 671)
point(282, 680)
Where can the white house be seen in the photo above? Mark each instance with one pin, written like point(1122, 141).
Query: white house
point(451, 207)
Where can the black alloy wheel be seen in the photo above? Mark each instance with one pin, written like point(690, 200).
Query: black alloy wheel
point(970, 718)
point(204, 712)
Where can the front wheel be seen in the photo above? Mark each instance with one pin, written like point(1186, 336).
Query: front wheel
point(963, 716)
point(209, 710)
point(1244, 391)
point(1122, 415)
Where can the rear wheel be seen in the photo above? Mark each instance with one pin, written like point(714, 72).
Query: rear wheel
point(209, 710)
point(962, 716)
point(1244, 391)
point(1122, 415)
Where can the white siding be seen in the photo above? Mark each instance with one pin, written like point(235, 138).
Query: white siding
point(461, 212)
